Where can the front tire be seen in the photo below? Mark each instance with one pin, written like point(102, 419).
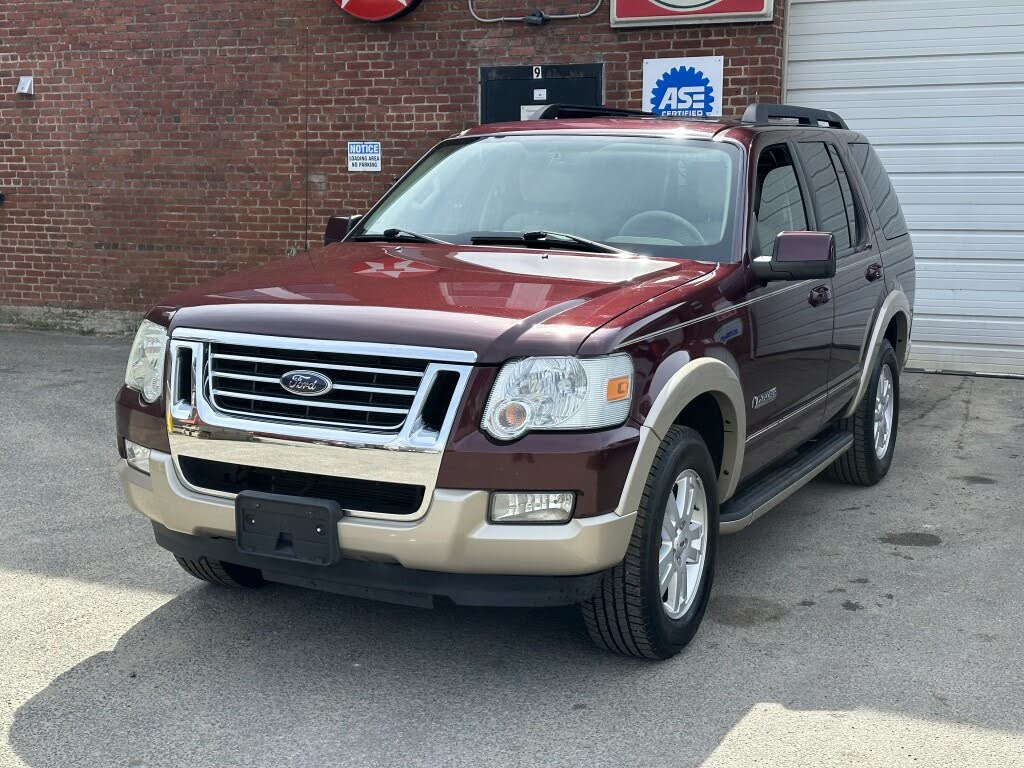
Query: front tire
point(220, 573)
point(651, 604)
point(874, 426)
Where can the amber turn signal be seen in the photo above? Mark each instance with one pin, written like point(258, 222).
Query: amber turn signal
point(618, 389)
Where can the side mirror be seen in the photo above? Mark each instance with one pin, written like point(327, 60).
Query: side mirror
point(338, 227)
point(798, 256)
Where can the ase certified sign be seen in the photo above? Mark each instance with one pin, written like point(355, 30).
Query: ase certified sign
point(377, 10)
point(627, 13)
point(687, 87)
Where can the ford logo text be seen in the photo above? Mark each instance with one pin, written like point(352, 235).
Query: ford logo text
point(306, 383)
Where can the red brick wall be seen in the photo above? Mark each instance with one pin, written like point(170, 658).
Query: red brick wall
point(168, 142)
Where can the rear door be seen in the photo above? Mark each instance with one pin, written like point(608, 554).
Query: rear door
point(858, 288)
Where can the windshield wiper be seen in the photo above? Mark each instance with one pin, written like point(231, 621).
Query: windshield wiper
point(401, 236)
point(543, 239)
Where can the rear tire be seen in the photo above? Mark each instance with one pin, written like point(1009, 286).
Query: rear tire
point(866, 463)
point(632, 614)
point(221, 573)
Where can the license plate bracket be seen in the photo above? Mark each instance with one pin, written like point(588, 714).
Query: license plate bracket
point(288, 527)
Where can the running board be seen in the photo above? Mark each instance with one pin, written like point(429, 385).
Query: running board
point(779, 484)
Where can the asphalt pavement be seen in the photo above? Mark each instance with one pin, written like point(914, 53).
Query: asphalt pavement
point(851, 626)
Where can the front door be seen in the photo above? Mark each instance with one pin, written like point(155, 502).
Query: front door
point(785, 377)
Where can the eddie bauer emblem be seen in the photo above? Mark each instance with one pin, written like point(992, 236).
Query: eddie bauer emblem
point(760, 401)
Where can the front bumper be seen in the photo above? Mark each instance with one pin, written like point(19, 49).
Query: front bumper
point(392, 583)
point(452, 537)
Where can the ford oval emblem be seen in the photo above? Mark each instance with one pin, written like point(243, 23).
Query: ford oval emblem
point(306, 383)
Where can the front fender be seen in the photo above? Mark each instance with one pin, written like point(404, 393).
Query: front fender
point(695, 378)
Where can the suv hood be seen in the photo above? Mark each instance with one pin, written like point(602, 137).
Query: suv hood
point(496, 302)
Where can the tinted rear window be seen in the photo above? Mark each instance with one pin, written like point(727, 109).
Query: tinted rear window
point(828, 195)
point(880, 189)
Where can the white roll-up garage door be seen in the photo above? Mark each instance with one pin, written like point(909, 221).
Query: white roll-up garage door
point(938, 87)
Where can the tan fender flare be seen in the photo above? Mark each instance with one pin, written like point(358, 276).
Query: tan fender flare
point(698, 377)
point(895, 305)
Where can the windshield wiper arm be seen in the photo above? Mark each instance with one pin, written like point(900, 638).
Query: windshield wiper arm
point(542, 238)
point(401, 235)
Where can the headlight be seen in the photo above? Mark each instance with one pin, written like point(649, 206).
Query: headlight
point(145, 371)
point(540, 393)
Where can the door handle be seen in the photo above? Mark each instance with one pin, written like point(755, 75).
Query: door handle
point(873, 272)
point(818, 296)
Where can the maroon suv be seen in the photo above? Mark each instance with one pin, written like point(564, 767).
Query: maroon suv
point(549, 367)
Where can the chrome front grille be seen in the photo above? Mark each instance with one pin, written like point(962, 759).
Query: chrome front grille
point(387, 395)
point(379, 431)
point(369, 392)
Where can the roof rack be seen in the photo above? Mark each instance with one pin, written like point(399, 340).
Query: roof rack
point(574, 111)
point(755, 114)
point(764, 114)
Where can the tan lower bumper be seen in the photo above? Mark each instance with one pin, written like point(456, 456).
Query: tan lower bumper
point(453, 537)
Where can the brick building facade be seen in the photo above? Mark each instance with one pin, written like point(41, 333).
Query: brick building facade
point(170, 142)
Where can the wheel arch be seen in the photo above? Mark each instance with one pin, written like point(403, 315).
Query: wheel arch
point(705, 415)
point(683, 400)
point(892, 322)
point(898, 333)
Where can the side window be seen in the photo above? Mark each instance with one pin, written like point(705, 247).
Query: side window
point(883, 196)
point(844, 185)
point(778, 203)
point(828, 194)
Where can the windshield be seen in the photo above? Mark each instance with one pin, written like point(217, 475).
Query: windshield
point(656, 196)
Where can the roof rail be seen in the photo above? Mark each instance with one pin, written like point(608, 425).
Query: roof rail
point(573, 111)
point(755, 114)
point(764, 114)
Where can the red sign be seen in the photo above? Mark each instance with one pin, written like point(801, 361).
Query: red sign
point(636, 13)
point(377, 10)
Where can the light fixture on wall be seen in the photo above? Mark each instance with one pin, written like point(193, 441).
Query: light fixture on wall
point(537, 18)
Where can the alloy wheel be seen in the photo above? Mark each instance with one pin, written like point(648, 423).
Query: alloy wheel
point(885, 406)
point(684, 533)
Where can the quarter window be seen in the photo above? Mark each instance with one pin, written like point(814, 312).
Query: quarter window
point(830, 202)
point(880, 189)
point(778, 202)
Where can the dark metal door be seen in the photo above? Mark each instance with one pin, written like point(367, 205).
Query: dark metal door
point(509, 94)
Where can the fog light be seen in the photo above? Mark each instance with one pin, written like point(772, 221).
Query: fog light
point(539, 507)
point(136, 456)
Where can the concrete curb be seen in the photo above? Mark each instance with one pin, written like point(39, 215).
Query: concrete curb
point(106, 322)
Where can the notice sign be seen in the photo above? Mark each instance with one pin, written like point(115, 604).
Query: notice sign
point(364, 155)
point(689, 87)
point(635, 13)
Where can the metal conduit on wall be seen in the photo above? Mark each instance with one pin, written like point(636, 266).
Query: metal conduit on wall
point(537, 17)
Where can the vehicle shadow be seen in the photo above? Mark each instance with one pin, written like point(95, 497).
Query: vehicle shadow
point(285, 676)
point(844, 599)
